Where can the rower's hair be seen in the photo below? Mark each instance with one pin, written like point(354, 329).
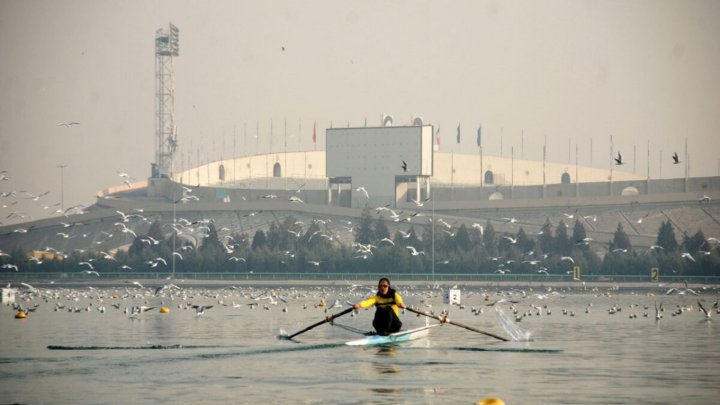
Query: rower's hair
point(387, 280)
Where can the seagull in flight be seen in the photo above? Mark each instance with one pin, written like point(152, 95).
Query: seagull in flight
point(414, 251)
point(362, 189)
point(404, 166)
point(9, 266)
point(705, 311)
point(676, 158)
point(568, 258)
point(681, 291)
point(200, 309)
point(67, 124)
point(687, 256)
point(420, 203)
point(479, 227)
point(619, 159)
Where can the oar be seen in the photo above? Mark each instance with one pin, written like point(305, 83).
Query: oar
point(442, 319)
point(339, 314)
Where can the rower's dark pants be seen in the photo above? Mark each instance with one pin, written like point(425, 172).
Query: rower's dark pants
point(386, 321)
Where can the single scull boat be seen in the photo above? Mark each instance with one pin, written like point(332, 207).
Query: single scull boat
point(398, 337)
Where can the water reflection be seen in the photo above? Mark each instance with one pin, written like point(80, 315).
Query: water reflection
point(386, 368)
point(387, 351)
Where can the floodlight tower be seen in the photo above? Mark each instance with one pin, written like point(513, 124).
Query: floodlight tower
point(166, 49)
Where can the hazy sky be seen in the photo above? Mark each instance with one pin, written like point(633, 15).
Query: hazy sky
point(573, 72)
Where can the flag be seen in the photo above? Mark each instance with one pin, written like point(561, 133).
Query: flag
point(314, 133)
point(458, 134)
point(479, 137)
point(437, 136)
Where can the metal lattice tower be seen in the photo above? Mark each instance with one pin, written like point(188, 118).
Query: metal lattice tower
point(166, 49)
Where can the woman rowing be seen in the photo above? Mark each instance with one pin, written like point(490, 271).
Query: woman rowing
point(386, 302)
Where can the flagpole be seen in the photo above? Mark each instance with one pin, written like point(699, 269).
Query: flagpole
point(314, 138)
point(479, 144)
point(576, 170)
point(544, 155)
point(452, 175)
point(501, 141)
point(612, 155)
point(482, 175)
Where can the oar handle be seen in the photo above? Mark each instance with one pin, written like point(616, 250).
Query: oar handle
point(444, 319)
point(341, 313)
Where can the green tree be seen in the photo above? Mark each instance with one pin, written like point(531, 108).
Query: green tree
point(524, 243)
point(579, 235)
point(563, 244)
point(211, 246)
point(381, 230)
point(462, 238)
point(666, 237)
point(545, 238)
point(364, 231)
point(696, 242)
point(489, 239)
point(259, 240)
point(620, 240)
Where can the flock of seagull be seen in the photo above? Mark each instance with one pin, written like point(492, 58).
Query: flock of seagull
point(136, 301)
point(129, 223)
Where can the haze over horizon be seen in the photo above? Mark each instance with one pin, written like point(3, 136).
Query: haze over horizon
point(570, 72)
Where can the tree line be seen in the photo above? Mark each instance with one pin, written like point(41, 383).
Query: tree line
point(293, 247)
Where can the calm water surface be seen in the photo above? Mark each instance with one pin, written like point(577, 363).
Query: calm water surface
point(232, 354)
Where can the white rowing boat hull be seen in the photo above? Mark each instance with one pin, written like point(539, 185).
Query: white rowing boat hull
point(399, 337)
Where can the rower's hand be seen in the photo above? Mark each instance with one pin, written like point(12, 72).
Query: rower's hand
point(443, 319)
point(329, 318)
point(356, 306)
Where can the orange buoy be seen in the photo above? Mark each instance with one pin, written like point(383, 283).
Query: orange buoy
point(164, 310)
point(21, 315)
point(490, 401)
